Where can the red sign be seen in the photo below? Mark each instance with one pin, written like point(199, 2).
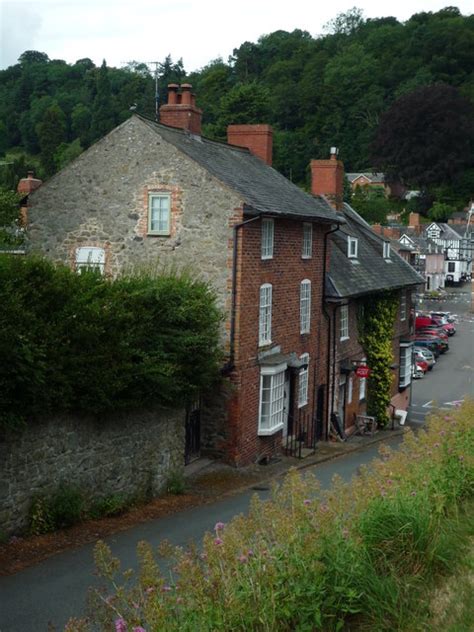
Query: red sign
point(362, 371)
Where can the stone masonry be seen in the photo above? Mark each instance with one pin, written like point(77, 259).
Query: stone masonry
point(131, 454)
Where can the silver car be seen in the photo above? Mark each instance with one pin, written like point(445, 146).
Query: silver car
point(422, 353)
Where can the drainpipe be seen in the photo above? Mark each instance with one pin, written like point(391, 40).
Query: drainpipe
point(230, 364)
point(328, 320)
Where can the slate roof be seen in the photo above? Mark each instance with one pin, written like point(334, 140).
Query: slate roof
point(370, 272)
point(372, 177)
point(263, 189)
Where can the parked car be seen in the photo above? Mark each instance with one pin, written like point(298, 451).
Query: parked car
point(440, 321)
point(436, 331)
point(423, 353)
point(426, 343)
point(422, 364)
point(441, 344)
point(449, 317)
point(417, 372)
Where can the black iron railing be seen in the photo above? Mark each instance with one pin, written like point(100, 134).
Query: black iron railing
point(301, 438)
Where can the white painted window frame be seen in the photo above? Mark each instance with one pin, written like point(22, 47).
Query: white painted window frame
point(267, 238)
point(352, 247)
point(386, 250)
point(150, 230)
point(344, 322)
point(265, 314)
point(363, 384)
point(272, 392)
point(307, 250)
point(403, 306)
point(303, 380)
point(349, 390)
point(305, 306)
point(91, 258)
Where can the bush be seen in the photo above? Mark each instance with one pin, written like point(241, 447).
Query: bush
point(355, 557)
point(84, 343)
point(61, 510)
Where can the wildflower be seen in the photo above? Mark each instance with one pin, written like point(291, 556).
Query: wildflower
point(461, 457)
point(389, 481)
point(447, 418)
point(219, 526)
point(218, 541)
point(243, 559)
point(136, 605)
point(150, 590)
point(306, 502)
point(139, 628)
point(203, 556)
point(250, 552)
point(165, 588)
point(413, 493)
point(324, 508)
point(436, 445)
point(120, 625)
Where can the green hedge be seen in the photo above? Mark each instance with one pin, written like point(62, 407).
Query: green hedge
point(83, 343)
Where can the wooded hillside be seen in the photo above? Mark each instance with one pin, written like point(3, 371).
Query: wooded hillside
point(315, 92)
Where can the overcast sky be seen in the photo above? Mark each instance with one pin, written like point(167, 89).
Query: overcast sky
point(148, 30)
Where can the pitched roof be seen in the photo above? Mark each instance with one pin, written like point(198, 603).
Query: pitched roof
point(372, 177)
point(263, 189)
point(370, 272)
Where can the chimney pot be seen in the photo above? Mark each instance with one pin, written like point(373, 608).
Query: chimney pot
point(181, 111)
point(172, 93)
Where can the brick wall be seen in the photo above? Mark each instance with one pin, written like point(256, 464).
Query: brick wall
point(285, 272)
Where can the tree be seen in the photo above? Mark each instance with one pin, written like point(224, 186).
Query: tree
point(346, 23)
point(426, 137)
point(51, 133)
point(66, 153)
point(103, 119)
point(9, 218)
point(440, 212)
point(33, 57)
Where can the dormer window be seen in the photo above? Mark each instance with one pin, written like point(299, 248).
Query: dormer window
point(386, 250)
point(352, 247)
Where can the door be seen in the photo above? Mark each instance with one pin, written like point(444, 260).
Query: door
point(341, 401)
point(319, 430)
point(192, 448)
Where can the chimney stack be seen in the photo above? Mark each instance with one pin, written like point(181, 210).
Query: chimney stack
point(181, 110)
point(25, 187)
point(327, 178)
point(257, 138)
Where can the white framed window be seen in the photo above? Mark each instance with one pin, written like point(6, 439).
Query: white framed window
point(305, 306)
point(91, 258)
point(344, 321)
point(268, 230)
point(159, 214)
point(272, 399)
point(350, 387)
point(265, 315)
point(303, 381)
point(362, 384)
point(403, 306)
point(386, 250)
point(406, 350)
point(307, 251)
point(352, 247)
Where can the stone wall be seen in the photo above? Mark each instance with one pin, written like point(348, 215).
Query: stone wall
point(128, 453)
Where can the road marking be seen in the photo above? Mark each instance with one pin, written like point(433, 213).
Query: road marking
point(456, 402)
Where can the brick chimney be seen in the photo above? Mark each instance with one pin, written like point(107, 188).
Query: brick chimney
point(25, 187)
point(181, 110)
point(327, 178)
point(28, 184)
point(257, 138)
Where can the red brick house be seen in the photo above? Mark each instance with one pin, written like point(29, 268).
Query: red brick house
point(151, 192)
point(362, 264)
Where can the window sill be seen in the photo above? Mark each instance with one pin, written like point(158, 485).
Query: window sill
point(269, 258)
point(270, 431)
point(306, 257)
point(344, 338)
point(303, 404)
point(158, 234)
point(266, 343)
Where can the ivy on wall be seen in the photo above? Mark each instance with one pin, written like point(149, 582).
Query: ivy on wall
point(376, 329)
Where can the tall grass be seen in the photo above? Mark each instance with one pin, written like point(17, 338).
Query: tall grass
point(356, 557)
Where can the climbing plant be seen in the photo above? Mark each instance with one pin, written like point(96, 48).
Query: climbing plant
point(376, 329)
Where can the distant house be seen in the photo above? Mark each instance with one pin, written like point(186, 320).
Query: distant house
point(457, 247)
point(375, 180)
point(151, 193)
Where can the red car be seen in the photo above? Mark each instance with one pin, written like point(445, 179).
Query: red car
point(423, 365)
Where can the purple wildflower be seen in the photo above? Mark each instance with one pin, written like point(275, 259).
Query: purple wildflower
point(218, 541)
point(250, 552)
point(306, 502)
point(120, 625)
point(243, 559)
point(389, 481)
point(219, 526)
point(139, 628)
